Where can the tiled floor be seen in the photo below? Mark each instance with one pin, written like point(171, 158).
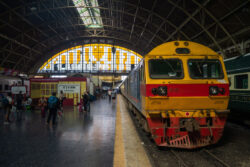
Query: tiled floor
point(77, 140)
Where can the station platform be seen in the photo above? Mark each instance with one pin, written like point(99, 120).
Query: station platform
point(129, 150)
point(104, 137)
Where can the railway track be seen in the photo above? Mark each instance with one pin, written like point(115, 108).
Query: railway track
point(184, 163)
point(216, 158)
point(180, 160)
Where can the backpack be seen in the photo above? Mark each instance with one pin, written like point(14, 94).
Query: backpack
point(5, 101)
point(52, 102)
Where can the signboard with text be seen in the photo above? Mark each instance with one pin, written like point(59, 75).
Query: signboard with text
point(68, 88)
point(18, 89)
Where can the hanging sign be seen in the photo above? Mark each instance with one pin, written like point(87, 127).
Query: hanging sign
point(68, 88)
point(18, 89)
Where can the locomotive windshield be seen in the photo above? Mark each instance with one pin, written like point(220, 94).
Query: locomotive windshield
point(205, 69)
point(165, 68)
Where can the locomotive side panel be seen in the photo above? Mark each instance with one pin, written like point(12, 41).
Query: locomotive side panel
point(132, 88)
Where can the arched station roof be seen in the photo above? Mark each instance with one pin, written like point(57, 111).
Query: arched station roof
point(92, 58)
point(31, 31)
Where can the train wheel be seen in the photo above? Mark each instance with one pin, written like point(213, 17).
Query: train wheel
point(145, 126)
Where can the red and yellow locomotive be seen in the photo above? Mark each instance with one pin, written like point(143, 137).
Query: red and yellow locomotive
point(180, 93)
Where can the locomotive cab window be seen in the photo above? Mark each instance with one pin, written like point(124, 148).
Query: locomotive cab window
point(165, 68)
point(241, 81)
point(205, 69)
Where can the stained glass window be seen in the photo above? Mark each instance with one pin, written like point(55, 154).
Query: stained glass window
point(92, 58)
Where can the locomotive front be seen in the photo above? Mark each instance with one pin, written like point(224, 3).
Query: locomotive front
point(185, 95)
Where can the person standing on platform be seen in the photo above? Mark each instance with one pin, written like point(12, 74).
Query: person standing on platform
point(7, 104)
point(43, 105)
point(53, 104)
point(28, 103)
point(19, 105)
point(109, 93)
point(61, 98)
point(1, 102)
point(89, 100)
point(85, 101)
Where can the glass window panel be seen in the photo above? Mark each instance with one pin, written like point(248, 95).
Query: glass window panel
point(241, 81)
point(204, 68)
point(165, 68)
point(91, 57)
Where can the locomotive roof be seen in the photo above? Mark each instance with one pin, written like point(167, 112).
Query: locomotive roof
point(169, 48)
point(238, 64)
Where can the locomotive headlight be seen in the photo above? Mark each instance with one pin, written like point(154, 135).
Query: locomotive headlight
point(213, 90)
point(222, 91)
point(162, 91)
point(154, 91)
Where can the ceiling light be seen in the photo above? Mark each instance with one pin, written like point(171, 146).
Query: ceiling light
point(33, 8)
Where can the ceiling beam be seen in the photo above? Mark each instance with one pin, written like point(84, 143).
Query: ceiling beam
point(164, 22)
point(190, 17)
point(127, 13)
point(133, 25)
point(147, 21)
point(21, 32)
point(220, 19)
point(19, 43)
point(24, 19)
point(242, 31)
point(198, 23)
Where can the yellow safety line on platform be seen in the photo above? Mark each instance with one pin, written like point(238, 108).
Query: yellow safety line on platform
point(119, 154)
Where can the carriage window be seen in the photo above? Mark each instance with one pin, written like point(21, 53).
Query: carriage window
point(165, 68)
point(205, 69)
point(230, 81)
point(241, 81)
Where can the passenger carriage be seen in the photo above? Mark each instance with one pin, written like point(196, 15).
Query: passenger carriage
point(238, 71)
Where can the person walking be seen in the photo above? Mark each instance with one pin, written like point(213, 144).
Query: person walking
point(19, 105)
point(109, 93)
point(85, 101)
point(1, 102)
point(43, 104)
point(53, 104)
point(61, 98)
point(7, 104)
point(28, 104)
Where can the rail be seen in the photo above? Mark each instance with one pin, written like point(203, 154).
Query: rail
point(182, 163)
point(216, 158)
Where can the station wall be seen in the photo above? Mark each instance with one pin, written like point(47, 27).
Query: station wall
point(46, 86)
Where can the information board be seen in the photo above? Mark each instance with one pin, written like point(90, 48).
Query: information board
point(17, 89)
point(68, 88)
